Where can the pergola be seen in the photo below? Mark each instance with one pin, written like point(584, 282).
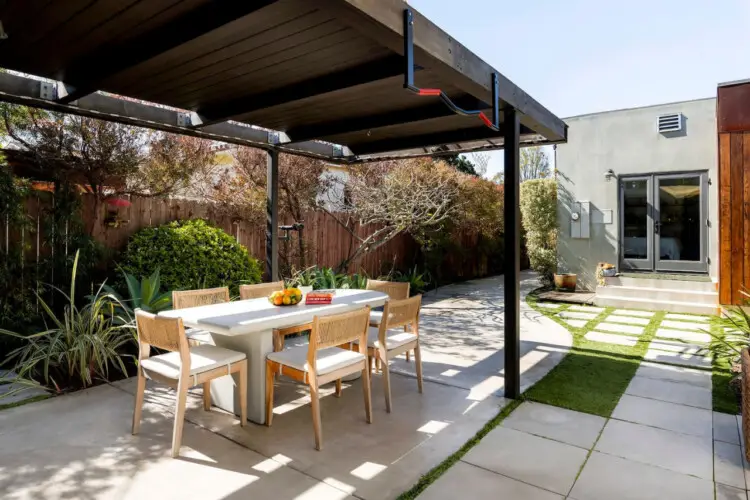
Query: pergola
point(347, 81)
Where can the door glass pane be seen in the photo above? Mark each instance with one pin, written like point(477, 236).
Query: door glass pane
point(635, 213)
point(679, 218)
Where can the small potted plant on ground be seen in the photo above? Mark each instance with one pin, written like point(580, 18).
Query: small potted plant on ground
point(566, 281)
point(604, 270)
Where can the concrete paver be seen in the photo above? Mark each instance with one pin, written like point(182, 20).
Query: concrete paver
point(619, 328)
point(683, 325)
point(665, 415)
point(683, 335)
point(672, 392)
point(691, 376)
point(725, 428)
point(633, 312)
point(671, 450)
point(577, 315)
point(728, 467)
point(567, 426)
point(686, 317)
point(628, 320)
point(677, 358)
point(611, 338)
point(534, 460)
point(614, 478)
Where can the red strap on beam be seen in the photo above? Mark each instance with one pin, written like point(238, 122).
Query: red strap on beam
point(435, 92)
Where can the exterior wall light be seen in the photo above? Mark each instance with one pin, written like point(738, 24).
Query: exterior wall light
point(609, 174)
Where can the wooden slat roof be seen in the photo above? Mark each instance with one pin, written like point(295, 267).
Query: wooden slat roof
point(295, 75)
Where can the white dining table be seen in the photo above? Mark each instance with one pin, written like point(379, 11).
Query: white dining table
point(247, 326)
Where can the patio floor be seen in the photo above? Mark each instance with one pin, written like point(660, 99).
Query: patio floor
point(79, 446)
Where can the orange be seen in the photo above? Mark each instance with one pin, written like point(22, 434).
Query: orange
point(277, 300)
point(287, 300)
point(287, 292)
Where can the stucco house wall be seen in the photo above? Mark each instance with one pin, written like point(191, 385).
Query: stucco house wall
point(627, 142)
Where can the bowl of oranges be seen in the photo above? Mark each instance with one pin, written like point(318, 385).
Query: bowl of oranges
point(287, 297)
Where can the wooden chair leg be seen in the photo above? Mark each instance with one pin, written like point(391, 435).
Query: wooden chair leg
point(179, 416)
point(370, 360)
point(315, 404)
point(418, 366)
point(378, 364)
point(243, 393)
point(139, 392)
point(207, 395)
point(408, 356)
point(278, 342)
point(270, 377)
point(338, 388)
point(367, 390)
point(386, 382)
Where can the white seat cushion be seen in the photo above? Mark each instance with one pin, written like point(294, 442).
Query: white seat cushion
point(203, 358)
point(328, 360)
point(393, 339)
point(376, 317)
point(199, 335)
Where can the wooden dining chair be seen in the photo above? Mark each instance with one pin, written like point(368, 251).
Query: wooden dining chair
point(261, 290)
point(397, 334)
point(396, 290)
point(182, 299)
point(182, 367)
point(322, 361)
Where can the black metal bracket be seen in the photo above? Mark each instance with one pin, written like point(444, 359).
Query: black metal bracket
point(297, 226)
point(494, 124)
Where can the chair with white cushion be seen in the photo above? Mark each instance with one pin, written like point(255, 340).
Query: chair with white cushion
point(395, 290)
point(260, 290)
point(182, 299)
point(322, 361)
point(182, 367)
point(399, 333)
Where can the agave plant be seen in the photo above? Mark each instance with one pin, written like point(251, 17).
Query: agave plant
point(327, 278)
point(144, 294)
point(358, 281)
point(306, 277)
point(79, 345)
point(418, 282)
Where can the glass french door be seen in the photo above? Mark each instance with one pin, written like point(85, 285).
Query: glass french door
point(663, 222)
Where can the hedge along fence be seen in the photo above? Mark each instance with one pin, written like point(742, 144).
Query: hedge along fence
point(327, 241)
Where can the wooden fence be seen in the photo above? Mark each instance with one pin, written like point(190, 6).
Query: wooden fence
point(328, 243)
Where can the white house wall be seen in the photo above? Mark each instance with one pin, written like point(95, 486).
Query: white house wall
point(627, 142)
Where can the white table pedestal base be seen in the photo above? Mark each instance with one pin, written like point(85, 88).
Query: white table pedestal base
point(224, 392)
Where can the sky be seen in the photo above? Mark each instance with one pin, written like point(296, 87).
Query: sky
point(585, 56)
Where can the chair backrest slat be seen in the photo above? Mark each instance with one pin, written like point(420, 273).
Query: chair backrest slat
point(164, 333)
point(260, 290)
point(395, 290)
point(339, 329)
point(401, 312)
point(194, 298)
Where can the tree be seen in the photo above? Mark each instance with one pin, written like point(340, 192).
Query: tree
point(533, 164)
point(539, 218)
point(105, 157)
point(481, 162)
point(459, 162)
point(391, 198)
point(301, 184)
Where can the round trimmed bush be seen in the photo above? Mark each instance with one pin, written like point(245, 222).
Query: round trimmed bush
point(190, 254)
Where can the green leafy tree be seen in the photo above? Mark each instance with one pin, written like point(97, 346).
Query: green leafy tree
point(460, 163)
point(539, 218)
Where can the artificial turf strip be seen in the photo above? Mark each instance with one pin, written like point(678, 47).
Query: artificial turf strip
point(446, 464)
point(23, 402)
point(723, 397)
point(593, 376)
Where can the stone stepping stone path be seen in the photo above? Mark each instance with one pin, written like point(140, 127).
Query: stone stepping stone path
point(615, 318)
point(628, 312)
point(686, 317)
point(619, 328)
point(676, 346)
point(549, 305)
point(683, 325)
point(577, 323)
point(577, 315)
point(690, 337)
point(611, 338)
point(596, 310)
point(676, 358)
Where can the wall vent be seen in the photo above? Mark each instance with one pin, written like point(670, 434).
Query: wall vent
point(669, 123)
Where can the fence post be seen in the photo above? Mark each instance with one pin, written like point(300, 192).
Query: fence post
point(272, 216)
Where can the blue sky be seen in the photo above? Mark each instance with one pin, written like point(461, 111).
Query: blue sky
point(584, 56)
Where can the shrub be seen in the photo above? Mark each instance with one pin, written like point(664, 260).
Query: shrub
point(539, 218)
point(190, 254)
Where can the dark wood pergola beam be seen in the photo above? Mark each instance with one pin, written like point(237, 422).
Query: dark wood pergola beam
point(436, 50)
point(372, 122)
point(88, 73)
point(369, 72)
point(425, 141)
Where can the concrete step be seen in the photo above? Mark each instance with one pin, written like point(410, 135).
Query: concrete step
point(651, 304)
point(703, 286)
point(654, 293)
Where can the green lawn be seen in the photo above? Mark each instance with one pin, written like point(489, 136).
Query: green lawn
point(594, 375)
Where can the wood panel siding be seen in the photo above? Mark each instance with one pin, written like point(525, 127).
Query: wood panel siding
point(733, 120)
